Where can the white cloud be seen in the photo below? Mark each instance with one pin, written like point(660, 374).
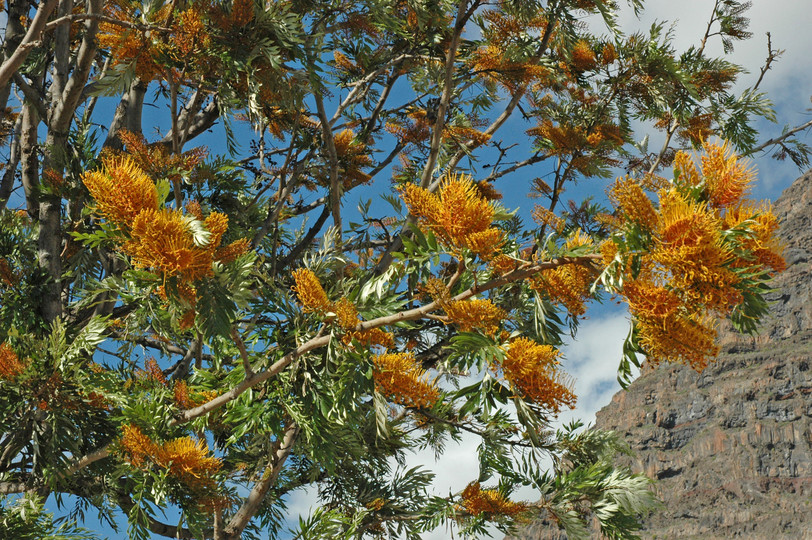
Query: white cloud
point(592, 359)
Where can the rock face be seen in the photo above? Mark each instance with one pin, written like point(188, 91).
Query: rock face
point(732, 446)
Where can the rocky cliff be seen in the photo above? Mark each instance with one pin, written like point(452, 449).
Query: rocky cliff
point(732, 447)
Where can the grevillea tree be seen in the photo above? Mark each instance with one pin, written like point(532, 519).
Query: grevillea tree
point(190, 334)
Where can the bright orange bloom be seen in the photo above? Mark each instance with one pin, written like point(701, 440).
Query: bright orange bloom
point(399, 377)
point(121, 190)
point(545, 217)
point(346, 314)
point(762, 244)
point(343, 63)
point(183, 397)
point(370, 337)
point(649, 300)
point(232, 251)
point(565, 139)
point(492, 62)
point(502, 264)
point(310, 292)
point(476, 313)
point(137, 447)
point(189, 461)
point(154, 371)
point(583, 57)
point(128, 45)
point(476, 501)
point(458, 214)
point(352, 157)
point(486, 243)
point(184, 458)
point(532, 369)
point(567, 285)
point(608, 54)
point(678, 338)
point(690, 246)
point(161, 240)
point(10, 363)
point(157, 160)
point(726, 176)
point(628, 196)
point(181, 394)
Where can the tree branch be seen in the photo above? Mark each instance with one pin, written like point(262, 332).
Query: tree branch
point(260, 489)
point(29, 42)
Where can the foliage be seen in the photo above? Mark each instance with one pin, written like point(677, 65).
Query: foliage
point(207, 331)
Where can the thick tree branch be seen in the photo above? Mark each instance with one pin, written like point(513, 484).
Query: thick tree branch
point(29, 42)
point(260, 489)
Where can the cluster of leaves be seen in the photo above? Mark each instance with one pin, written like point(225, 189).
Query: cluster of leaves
point(180, 328)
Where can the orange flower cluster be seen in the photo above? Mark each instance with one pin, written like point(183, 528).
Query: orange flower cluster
point(159, 238)
point(583, 57)
point(157, 160)
point(688, 274)
point(343, 63)
point(545, 217)
point(492, 62)
point(400, 378)
point(121, 189)
point(314, 300)
point(128, 45)
point(608, 54)
point(490, 502)
point(503, 264)
point(628, 196)
point(458, 215)
point(352, 157)
point(689, 244)
point(347, 318)
point(310, 292)
point(688, 339)
point(762, 245)
point(153, 372)
point(469, 136)
point(567, 284)
point(724, 177)
point(697, 129)
point(7, 275)
point(476, 313)
point(10, 363)
point(532, 369)
point(416, 129)
point(186, 41)
point(183, 458)
point(184, 399)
